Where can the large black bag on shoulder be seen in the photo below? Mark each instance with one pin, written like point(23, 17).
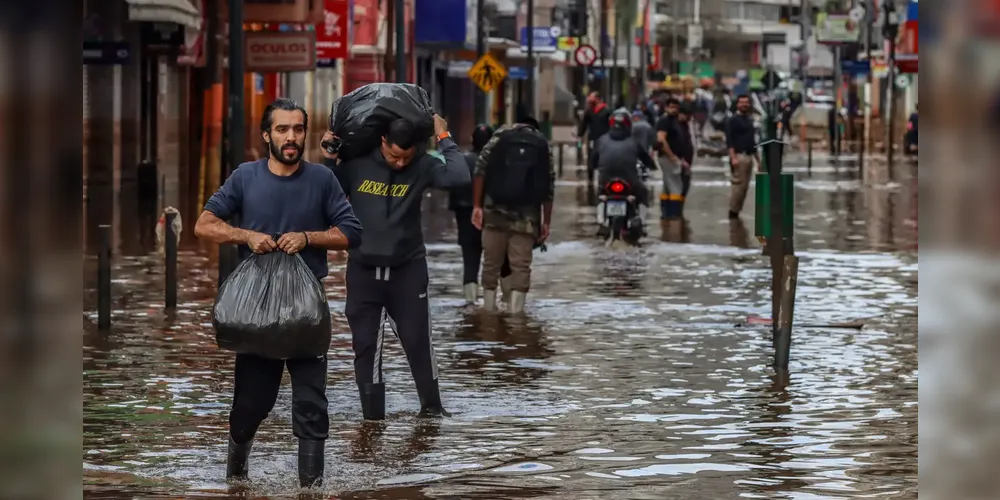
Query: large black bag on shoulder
point(360, 118)
point(273, 306)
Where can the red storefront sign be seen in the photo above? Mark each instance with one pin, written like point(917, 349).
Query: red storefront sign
point(331, 35)
point(278, 51)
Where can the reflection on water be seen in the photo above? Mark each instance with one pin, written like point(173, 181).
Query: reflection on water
point(626, 378)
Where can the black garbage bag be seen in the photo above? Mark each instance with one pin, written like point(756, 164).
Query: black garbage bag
point(272, 306)
point(360, 118)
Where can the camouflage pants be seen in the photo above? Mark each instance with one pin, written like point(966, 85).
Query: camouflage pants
point(500, 245)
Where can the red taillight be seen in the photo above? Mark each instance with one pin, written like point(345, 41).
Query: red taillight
point(617, 187)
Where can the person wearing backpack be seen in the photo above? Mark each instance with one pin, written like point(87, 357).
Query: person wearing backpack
point(512, 191)
point(470, 239)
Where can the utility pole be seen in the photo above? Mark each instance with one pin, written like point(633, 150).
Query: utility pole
point(481, 97)
point(606, 83)
point(869, 28)
point(613, 76)
point(530, 101)
point(237, 121)
point(401, 76)
point(644, 49)
point(891, 29)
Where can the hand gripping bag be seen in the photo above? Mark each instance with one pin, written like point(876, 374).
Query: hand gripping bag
point(360, 118)
point(273, 306)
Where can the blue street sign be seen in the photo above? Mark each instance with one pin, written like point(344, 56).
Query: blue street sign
point(855, 68)
point(106, 53)
point(517, 73)
point(545, 38)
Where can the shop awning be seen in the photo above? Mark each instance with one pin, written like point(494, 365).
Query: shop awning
point(181, 12)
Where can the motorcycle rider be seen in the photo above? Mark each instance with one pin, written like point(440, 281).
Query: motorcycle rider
point(616, 155)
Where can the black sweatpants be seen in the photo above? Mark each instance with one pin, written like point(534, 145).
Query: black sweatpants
point(470, 240)
point(397, 295)
point(257, 381)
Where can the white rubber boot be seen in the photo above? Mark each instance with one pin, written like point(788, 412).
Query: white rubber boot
point(517, 302)
point(471, 292)
point(505, 289)
point(489, 300)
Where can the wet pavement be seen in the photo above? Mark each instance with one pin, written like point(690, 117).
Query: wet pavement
point(628, 378)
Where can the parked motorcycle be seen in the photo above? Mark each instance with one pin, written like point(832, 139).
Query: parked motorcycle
point(619, 215)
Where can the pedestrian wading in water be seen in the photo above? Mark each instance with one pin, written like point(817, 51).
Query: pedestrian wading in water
point(470, 239)
point(513, 189)
point(387, 280)
point(302, 201)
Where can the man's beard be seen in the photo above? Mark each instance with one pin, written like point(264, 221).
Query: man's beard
point(278, 153)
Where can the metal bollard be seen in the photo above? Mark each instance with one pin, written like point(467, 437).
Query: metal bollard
point(809, 161)
point(561, 159)
point(579, 153)
point(170, 255)
point(104, 279)
point(783, 327)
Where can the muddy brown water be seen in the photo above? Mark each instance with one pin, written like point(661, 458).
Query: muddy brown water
point(626, 379)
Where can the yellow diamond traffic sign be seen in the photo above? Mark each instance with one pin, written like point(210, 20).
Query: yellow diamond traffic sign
point(487, 73)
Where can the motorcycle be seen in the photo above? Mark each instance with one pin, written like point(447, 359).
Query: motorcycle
point(619, 215)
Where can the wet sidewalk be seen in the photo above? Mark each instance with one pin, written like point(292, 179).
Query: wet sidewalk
point(626, 379)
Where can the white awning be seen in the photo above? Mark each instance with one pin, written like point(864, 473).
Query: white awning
point(181, 12)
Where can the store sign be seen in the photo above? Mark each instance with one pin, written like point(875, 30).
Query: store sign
point(282, 11)
point(331, 34)
point(272, 52)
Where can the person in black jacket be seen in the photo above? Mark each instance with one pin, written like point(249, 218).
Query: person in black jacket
point(387, 276)
point(596, 122)
point(470, 239)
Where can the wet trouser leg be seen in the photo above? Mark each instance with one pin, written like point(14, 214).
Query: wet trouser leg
point(256, 384)
point(470, 240)
point(494, 256)
point(672, 199)
point(740, 182)
point(408, 312)
point(365, 311)
point(519, 249)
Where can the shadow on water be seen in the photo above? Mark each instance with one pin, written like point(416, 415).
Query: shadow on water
point(626, 378)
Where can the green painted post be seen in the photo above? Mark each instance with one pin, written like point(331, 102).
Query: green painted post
point(762, 219)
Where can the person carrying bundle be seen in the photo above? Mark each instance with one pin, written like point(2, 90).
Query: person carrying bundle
point(387, 277)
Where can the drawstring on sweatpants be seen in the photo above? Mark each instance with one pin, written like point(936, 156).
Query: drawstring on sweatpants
point(380, 275)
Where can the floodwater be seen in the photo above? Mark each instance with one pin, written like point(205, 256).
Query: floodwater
point(628, 378)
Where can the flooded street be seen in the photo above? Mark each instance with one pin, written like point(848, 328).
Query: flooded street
point(629, 377)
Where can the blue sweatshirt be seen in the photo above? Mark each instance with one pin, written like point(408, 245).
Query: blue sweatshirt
point(310, 199)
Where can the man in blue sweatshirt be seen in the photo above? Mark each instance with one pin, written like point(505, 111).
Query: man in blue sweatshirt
point(304, 203)
point(387, 275)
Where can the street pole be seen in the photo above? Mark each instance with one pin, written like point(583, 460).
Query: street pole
point(613, 76)
point(236, 122)
point(530, 101)
point(481, 97)
point(606, 83)
point(629, 39)
point(869, 27)
point(891, 30)
point(837, 85)
point(644, 50)
point(401, 76)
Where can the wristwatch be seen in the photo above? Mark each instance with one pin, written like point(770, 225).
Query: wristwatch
point(443, 135)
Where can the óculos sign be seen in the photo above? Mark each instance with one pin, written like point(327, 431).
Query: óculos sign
point(279, 51)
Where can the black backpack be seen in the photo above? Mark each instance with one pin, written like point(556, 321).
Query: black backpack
point(518, 170)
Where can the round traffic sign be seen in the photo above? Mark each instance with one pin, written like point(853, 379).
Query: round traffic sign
point(585, 55)
point(555, 31)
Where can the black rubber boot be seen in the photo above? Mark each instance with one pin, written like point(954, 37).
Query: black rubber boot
point(430, 400)
point(373, 401)
point(311, 463)
point(237, 460)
